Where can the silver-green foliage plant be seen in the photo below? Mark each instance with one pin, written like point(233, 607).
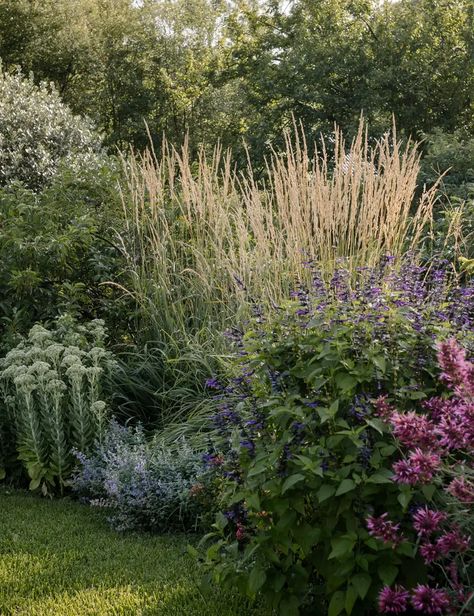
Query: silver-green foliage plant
point(39, 134)
point(51, 389)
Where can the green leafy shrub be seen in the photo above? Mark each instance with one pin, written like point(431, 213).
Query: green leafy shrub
point(56, 249)
point(145, 485)
point(306, 457)
point(39, 133)
point(52, 398)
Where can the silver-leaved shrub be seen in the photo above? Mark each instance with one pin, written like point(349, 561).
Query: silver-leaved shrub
point(39, 134)
point(51, 399)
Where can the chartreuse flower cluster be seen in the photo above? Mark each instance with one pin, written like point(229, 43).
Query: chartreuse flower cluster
point(331, 500)
point(51, 388)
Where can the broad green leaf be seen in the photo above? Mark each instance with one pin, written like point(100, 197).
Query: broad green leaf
point(351, 597)
point(404, 499)
point(388, 574)
point(380, 362)
point(325, 492)
point(345, 486)
point(341, 546)
point(256, 580)
point(345, 381)
point(291, 481)
point(362, 582)
point(336, 605)
point(428, 491)
point(382, 476)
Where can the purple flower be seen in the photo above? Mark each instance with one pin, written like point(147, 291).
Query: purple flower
point(213, 383)
point(383, 529)
point(393, 600)
point(430, 600)
point(427, 521)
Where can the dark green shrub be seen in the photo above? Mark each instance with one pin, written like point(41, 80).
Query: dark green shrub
point(57, 249)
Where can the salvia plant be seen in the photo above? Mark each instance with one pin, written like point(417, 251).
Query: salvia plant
point(52, 401)
point(144, 485)
point(312, 508)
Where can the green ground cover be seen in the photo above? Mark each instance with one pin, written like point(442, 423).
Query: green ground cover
point(60, 558)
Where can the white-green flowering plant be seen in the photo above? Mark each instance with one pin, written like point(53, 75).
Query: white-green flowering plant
point(51, 398)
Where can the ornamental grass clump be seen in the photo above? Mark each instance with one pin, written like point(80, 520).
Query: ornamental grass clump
point(203, 240)
point(52, 399)
point(313, 517)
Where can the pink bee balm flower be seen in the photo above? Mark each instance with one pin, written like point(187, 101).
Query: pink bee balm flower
point(393, 600)
point(405, 473)
point(430, 552)
point(457, 371)
point(427, 521)
point(430, 600)
point(419, 468)
point(462, 490)
point(413, 430)
point(383, 529)
point(453, 542)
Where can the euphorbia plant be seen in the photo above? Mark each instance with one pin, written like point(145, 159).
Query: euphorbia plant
point(312, 518)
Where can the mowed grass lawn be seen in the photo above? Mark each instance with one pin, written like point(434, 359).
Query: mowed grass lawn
point(60, 558)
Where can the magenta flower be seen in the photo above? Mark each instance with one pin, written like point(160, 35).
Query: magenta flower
point(453, 542)
point(393, 601)
point(383, 409)
point(405, 473)
point(430, 552)
point(462, 490)
point(419, 468)
point(430, 600)
point(413, 430)
point(427, 521)
point(457, 371)
point(383, 529)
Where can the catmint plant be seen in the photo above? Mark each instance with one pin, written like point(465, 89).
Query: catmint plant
point(51, 388)
point(143, 484)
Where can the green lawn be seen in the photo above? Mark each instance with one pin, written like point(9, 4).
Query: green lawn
point(60, 558)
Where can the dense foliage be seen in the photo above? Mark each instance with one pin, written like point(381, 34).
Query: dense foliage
point(52, 399)
point(56, 250)
point(304, 452)
point(240, 69)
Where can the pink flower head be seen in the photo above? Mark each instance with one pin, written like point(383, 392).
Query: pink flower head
point(384, 529)
point(462, 490)
point(405, 473)
point(393, 601)
point(383, 409)
point(453, 542)
point(419, 468)
point(457, 371)
point(430, 552)
point(430, 600)
point(452, 431)
point(413, 430)
point(427, 521)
